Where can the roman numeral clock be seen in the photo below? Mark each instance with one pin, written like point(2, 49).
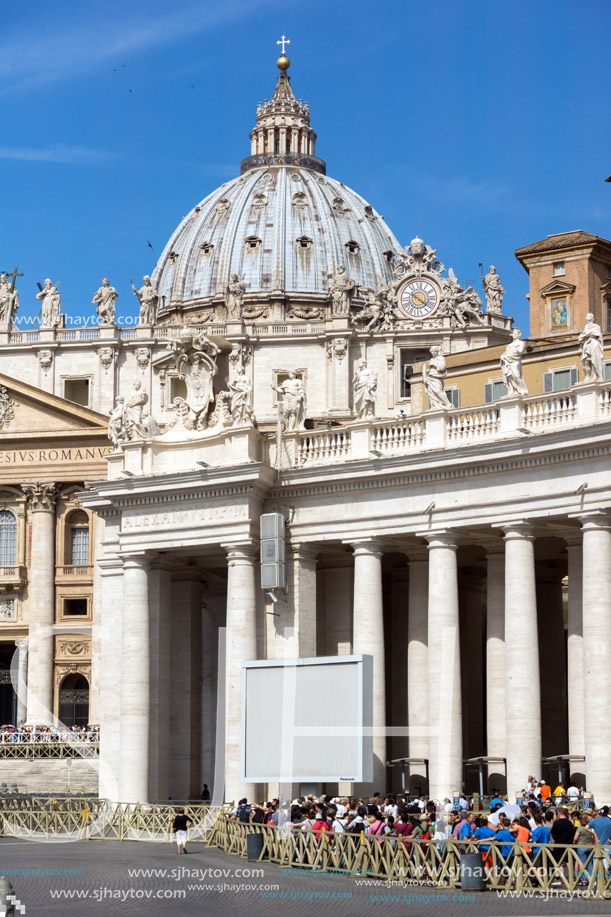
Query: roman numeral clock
point(418, 299)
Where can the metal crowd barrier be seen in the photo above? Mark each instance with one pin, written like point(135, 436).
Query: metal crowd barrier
point(95, 819)
point(584, 871)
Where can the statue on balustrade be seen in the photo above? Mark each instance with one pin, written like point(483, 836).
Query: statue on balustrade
point(463, 306)
point(342, 290)
point(364, 388)
point(137, 424)
point(9, 301)
point(294, 402)
point(379, 313)
point(241, 398)
point(104, 300)
point(51, 305)
point(116, 424)
point(433, 374)
point(494, 291)
point(511, 365)
point(148, 299)
point(591, 340)
point(234, 298)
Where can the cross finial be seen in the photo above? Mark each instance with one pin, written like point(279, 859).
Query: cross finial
point(283, 41)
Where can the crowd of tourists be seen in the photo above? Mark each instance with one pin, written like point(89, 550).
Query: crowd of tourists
point(542, 819)
point(34, 735)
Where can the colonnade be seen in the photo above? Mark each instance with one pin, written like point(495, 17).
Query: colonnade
point(513, 717)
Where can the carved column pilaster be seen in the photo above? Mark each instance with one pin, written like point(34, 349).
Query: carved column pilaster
point(41, 601)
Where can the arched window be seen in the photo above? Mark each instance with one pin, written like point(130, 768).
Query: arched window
point(8, 538)
point(79, 539)
point(74, 700)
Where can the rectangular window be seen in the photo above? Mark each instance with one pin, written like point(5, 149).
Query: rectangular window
point(608, 311)
point(408, 360)
point(560, 379)
point(608, 271)
point(75, 608)
point(493, 391)
point(77, 390)
point(79, 547)
point(607, 372)
point(559, 270)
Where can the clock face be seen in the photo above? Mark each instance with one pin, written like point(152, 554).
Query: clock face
point(419, 298)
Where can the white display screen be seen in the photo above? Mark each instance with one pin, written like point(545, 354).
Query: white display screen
point(304, 719)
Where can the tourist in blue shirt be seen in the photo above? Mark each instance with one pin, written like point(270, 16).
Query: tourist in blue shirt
point(483, 833)
point(496, 802)
point(602, 826)
point(505, 835)
point(468, 827)
point(541, 835)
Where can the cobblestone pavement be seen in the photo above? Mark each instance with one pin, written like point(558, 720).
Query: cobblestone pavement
point(137, 878)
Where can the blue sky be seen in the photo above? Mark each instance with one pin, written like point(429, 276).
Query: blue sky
point(485, 122)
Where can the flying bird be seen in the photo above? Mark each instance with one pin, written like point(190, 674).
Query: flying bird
point(148, 243)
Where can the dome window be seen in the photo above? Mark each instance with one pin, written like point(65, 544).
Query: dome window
point(353, 248)
point(259, 201)
point(304, 242)
point(222, 206)
point(253, 243)
point(370, 214)
point(339, 205)
point(173, 257)
point(389, 256)
point(206, 248)
point(300, 201)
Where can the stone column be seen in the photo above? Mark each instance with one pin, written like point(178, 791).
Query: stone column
point(111, 626)
point(161, 649)
point(292, 627)
point(135, 681)
point(22, 679)
point(597, 652)
point(97, 523)
point(41, 603)
point(445, 702)
point(241, 646)
point(368, 638)
point(575, 670)
point(523, 691)
point(495, 660)
point(213, 618)
point(417, 663)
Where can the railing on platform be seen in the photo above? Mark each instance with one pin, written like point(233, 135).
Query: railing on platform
point(28, 749)
point(565, 868)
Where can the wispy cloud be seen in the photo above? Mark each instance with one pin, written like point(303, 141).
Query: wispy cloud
point(57, 152)
point(66, 50)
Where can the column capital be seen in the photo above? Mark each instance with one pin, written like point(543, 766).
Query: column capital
point(416, 553)
point(304, 550)
point(246, 552)
point(494, 546)
point(41, 495)
point(371, 547)
point(520, 530)
point(573, 541)
point(135, 561)
point(442, 540)
point(595, 520)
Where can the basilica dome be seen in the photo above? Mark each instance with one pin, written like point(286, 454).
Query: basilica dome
point(282, 225)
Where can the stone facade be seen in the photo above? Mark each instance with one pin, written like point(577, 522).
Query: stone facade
point(448, 538)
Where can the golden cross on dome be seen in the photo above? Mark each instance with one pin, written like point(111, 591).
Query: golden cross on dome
point(283, 41)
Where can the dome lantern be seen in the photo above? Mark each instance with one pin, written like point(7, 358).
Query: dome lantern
point(282, 134)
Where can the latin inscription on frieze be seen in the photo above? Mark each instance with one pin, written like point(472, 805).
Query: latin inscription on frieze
point(191, 515)
point(53, 456)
